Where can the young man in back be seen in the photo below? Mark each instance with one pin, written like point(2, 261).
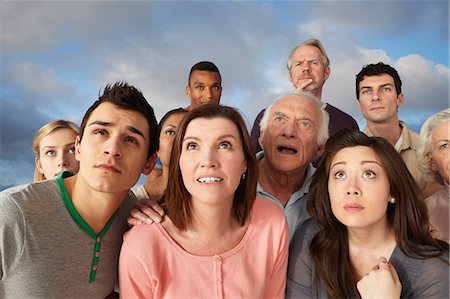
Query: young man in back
point(204, 84)
point(379, 94)
point(61, 238)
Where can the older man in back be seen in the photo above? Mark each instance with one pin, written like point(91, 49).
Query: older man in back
point(309, 68)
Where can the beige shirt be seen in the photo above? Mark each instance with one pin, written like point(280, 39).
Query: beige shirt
point(408, 152)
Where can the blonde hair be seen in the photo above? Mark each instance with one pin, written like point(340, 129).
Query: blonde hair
point(424, 150)
point(43, 132)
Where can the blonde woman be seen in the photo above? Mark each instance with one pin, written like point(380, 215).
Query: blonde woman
point(434, 161)
point(54, 146)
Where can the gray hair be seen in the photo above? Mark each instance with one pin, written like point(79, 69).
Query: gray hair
point(424, 150)
point(323, 135)
point(314, 43)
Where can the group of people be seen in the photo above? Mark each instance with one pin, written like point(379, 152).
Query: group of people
point(236, 215)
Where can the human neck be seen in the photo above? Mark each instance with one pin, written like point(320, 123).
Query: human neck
point(368, 239)
point(367, 246)
point(96, 208)
point(212, 222)
point(280, 184)
point(389, 131)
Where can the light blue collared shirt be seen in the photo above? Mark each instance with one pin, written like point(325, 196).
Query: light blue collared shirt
point(295, 209)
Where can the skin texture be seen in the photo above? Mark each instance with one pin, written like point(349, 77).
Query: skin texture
point(218, 154)
point(359, 189)
point(290, 139)
point(204, 87)
point(57, 153)
point(112, 151)
point(440, 151)
point(167, 137)
point(307, 70)
point(378, 99)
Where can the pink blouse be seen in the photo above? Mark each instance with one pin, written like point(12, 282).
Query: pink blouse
point(153, 265)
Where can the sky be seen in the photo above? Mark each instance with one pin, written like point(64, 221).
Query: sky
point(57, 56)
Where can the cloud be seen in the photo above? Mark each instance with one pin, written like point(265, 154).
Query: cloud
point(57, 58)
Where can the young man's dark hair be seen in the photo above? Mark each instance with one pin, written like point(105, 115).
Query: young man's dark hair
point(127, 97)
point(378, 69)
point(204, 66)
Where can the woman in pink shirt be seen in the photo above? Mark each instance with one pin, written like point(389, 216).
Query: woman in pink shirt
point(218, 240)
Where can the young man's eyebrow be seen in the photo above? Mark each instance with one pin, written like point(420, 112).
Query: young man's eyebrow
point(136, 131)
point(108, 124)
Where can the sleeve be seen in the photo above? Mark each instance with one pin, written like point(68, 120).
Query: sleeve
point(256, 131)
point(12, 236)
point(276, 286)
point(434, 280)
point(134, 278)
point(300, 268)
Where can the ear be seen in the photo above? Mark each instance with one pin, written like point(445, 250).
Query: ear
point(38, 165)
point(400, 100)
point(261, 138)
point(78, 148)
point(290, 77)
point(188, 91)
point(327, 73)
point(149, 164)
point(359, 106)
point(320, 150)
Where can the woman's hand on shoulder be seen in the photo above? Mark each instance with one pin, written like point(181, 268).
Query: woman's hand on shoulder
point(381, 282)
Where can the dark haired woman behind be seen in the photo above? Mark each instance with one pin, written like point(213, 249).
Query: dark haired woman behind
point(368, 236)
point(218, 239)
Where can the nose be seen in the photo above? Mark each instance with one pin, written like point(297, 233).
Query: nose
point(305, 67)
point(113, 147)
point(289, 129)
point(375, 96)
point(63, 161)
point(207, 93)
point(209, 158)
point(352, 187)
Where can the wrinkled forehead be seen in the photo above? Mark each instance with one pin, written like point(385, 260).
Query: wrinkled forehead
point(297, 106)
point(307, 52)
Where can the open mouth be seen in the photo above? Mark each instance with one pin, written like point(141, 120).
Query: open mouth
point(209, 180)
point(287, 150)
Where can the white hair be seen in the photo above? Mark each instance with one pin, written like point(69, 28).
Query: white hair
point(424, 150)
point(323, 133)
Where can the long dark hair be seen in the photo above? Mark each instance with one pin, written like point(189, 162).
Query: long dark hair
point(408, 217)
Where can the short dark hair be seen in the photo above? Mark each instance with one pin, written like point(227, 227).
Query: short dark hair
point(127, 97)
point(178, 198)
point(204, 66)
point(376, 70)
point(408, 217)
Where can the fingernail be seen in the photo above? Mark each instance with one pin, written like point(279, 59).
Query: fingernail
point(149, 221)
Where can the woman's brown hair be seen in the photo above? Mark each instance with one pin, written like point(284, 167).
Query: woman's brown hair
point(178, 199)
point(408, 217)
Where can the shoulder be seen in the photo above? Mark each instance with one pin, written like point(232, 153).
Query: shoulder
point(140, 192)
point(28, 196)
point(339, 118)
point(412, 137)
point(266, 209)
point(334, 110)
point(423, 277)
point(268, 219)
point(303, 236)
